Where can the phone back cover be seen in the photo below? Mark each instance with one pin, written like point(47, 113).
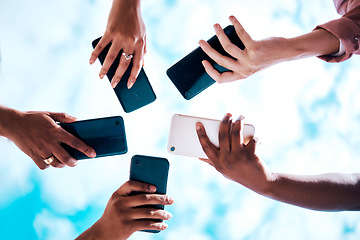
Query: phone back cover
point(183, 139)
point(105, 135)
point(189, 76)
point(153, 170)
point(141, 92)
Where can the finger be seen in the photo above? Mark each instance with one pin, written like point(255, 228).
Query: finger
point(243, 35)
point(225, 42)
point(135, 186)
point(39, 162)
point(56, 163)
point(137, 63)
point(228, 76)
point(62, 117)
point(209, 148)
point(145, 224)
point(220, 59)
point(224, 137)
point(251, 145)
point(150, 213)
point(109, 59)
point(207, 161)
point(152, 199)
point(64, 157)
point(76, 143)
point(104, 41)
point(123, 66)
point(236, 142)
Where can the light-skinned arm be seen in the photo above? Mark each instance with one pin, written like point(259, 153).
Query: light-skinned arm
point(126, 31)
point(260, 54)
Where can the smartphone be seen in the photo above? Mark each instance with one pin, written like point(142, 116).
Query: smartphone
point(183, 139)
point(105, 135)
point(152, 170)
point(189, 76)
point(139, 95)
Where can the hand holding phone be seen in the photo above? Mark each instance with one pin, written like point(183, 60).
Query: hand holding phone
point(139, 95)
point(152, 170)
point(188, 74)
point(105, 135)
point(183, 139)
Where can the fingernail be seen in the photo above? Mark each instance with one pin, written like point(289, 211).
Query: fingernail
point(170, 200)
point(152, 188)
point(130, 85)
point(102, 76)
point(75, 162)
point(168, 216)
point(231, 18)
point(91, 61)
point(92, 153)
point(198, 126)
point(241, 117)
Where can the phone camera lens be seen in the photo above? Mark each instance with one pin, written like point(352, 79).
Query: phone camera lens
point(117, 123)
point(137, 162)
point(172, 149)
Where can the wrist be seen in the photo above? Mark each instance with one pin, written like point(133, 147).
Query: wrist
point(7, 118)
point(267, 189)
point(101, 230)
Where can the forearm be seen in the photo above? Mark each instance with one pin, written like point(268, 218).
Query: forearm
point(316, 43)
point(326, 192)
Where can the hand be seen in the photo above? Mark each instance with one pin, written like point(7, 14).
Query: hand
point(38, 135)
point(122, 216)
point(256, 56)
point(232, 158)
point(126, 31)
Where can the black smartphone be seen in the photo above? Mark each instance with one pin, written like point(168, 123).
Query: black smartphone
point(105, 135)
point(139, 95)
point(189, 76)
point(152, 170)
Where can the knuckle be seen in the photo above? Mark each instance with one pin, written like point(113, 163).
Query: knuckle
point(75, 143)
point(140, 41)
point(111, 56)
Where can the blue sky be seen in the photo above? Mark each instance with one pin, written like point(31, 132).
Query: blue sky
point(306, 114)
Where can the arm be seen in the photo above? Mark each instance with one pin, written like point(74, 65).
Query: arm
point(238, 162)
point(259, 55)
point(346, 29)
point(126, 31)
point(122, 216)
point(38, 136)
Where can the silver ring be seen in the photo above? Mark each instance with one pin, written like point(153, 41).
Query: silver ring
point(49, 160)
point(127, 56)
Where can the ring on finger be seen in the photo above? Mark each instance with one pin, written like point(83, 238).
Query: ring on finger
point(49, 160)
point(127, 56)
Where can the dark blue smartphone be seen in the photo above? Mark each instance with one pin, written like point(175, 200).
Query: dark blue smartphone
point(152, 170)
point(189, 76)
point(105, 135)
point(139, 95)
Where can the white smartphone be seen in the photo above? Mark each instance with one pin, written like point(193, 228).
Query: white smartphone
point(183, 139)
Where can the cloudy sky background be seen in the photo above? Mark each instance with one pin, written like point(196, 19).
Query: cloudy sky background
point(306, 114)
